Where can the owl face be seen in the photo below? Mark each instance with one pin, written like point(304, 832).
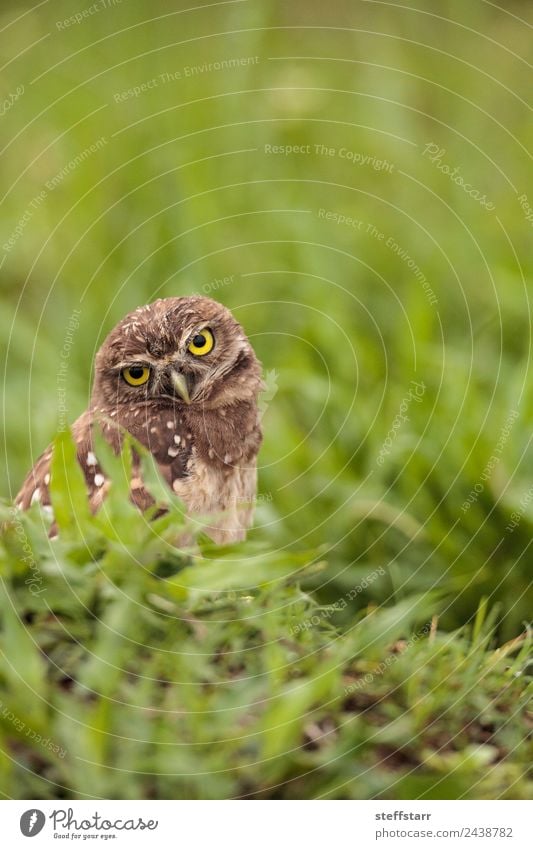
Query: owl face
point(176, 351)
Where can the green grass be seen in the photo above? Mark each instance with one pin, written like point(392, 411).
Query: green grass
point(241, 672)
point(131, 676)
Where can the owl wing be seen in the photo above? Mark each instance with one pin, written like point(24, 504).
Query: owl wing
point(35, 487)
point(170, 447)
point(170, 443)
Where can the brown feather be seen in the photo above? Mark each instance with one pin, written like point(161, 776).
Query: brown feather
point(206, 449)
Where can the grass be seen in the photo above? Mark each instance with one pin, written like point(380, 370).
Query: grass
point(370, 639)
point(129, 676)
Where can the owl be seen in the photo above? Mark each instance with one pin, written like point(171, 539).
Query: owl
point(182, 378)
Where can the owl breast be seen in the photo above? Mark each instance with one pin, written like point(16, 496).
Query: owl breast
point(208, 460)
point(225, 494)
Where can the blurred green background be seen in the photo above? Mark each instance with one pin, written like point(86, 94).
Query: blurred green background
point(178, 187)
point(353, 180)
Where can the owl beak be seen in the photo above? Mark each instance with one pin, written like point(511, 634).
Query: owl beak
point(179, 384)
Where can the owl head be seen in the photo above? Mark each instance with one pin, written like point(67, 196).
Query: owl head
point(177, 351)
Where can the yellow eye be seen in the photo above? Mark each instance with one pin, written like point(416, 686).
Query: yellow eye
point(202, 343)
point(136, 375)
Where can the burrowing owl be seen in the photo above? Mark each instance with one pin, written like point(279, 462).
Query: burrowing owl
point(181, 376)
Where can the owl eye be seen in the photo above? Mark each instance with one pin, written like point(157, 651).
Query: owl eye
point(136, 375)
point(202, 343)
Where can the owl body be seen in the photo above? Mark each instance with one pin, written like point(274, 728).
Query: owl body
point(181, 377)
